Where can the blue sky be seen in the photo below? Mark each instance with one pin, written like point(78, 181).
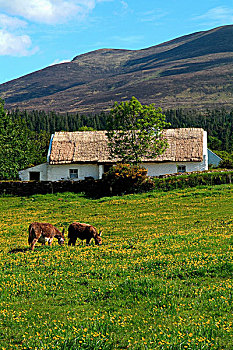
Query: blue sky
point(37, 33)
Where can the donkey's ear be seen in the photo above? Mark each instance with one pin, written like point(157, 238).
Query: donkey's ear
point(63, 231)
point(100, 232)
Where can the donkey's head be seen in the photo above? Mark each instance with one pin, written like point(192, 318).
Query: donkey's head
point(98, 239)
point(60, 237)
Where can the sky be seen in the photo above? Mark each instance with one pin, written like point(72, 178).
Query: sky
point(37, 33)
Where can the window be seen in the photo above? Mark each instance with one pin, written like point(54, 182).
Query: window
point(181, 168)
point(73, 173)
point(34, 176)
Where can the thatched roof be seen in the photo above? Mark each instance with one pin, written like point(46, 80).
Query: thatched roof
point(185, 144)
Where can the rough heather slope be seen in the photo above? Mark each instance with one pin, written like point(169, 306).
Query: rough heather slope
point(191, 71)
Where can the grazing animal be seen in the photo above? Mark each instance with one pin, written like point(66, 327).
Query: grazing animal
point(42, 233)
point(83, 231)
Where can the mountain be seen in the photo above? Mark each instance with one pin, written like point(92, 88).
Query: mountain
point(193, 71)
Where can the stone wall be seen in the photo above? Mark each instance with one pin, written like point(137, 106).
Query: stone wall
point(28, 188)
point(98, 188)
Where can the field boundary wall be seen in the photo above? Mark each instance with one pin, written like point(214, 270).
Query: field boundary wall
point(99, 188)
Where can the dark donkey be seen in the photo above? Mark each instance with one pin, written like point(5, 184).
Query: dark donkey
point(42, 233)
point(83, 231)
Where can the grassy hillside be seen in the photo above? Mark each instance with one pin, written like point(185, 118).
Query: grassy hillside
point(161, 280)
point(192, 71)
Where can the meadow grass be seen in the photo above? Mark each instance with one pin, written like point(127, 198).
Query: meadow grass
point(161, 280)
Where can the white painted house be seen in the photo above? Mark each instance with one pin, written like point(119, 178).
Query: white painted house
point(82, 154)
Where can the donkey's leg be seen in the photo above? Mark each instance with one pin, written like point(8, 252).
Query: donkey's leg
point(88, 240)
point(33, 243)
point(72, 241)
point(50, 241)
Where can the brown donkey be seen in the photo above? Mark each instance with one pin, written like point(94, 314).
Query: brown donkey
point(42, 233)
point(83, 231)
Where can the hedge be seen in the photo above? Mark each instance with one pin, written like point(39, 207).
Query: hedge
point(100, 188)
point(193, 180)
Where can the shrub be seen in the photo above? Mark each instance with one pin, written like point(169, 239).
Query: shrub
point(226, 163)
point(227, 159)
point(193, 180)
point(127, 178)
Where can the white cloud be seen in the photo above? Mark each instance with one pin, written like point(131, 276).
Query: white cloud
point(219, 15)
point(153, 16)
point(57, 61)
point(11, 42)
point(48, 11)
point(124, 4)
point(15, 45)
point(123, 9)
point(11, 22)
point(17, 14)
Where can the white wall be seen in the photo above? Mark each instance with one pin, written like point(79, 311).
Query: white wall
point(42, 168)
point(50, 172)
point(61, 172)
point(160, 168)
point(205, 151)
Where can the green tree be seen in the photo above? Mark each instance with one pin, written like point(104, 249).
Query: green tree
point(134, 131)
point(227, 159)
point(214, 143)
point(19, 146)
point(86, 128)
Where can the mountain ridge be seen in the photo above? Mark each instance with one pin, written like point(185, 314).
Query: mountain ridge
point(192, 71)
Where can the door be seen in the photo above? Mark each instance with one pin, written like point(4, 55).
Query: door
point(34, 176)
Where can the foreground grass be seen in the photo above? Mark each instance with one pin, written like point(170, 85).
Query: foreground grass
point(161, 280)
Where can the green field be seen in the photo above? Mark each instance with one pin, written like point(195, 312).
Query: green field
point(161, 280)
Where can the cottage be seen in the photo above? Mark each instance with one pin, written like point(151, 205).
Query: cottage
point(80, 155)
point(213, 159)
